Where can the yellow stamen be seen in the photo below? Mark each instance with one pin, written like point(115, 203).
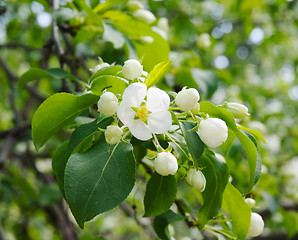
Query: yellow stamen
point(142, 113)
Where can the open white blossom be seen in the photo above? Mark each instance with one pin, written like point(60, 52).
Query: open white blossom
point(113, 134)
point(132, 69)
point(144, 117)
point(165, 164)
point(196, 179)
point(108, 103)
point(187, 99)
point(256, 225)
point(213, 132)
point(144, 16)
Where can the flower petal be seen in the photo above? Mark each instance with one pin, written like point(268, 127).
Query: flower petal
point(125, 113)
point(139, 130)
point(134, 94)
point(159, 122)
point(157, 100)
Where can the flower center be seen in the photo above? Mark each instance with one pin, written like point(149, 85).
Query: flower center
point(142, 113)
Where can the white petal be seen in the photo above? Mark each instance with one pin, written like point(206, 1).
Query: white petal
point(157, 100)
point(134, 94)
point(139, 130)
point(125, 113)
point(159, 122)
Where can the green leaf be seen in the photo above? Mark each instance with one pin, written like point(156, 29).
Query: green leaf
point(160, 194)
point(162, 221)
point(234, 203)
point(195, 144)
point(58, 164)
point(112, 70)
point(255, 133)
point(217, 176)
point(55, 113)
point(248, 145)
point(113, 84)
point(49, 194)
point(84, 131)
point(99, 179)
point(36, 73)
point(226, 146)
point(157, 73)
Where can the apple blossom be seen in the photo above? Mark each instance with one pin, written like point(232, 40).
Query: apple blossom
point(187, 99)
point(196, 109)
point(238, 110)
point(196, 179)
point(134, 5)
point(113, 134)
point(108, 103)
point(165, 164)
point(213, 132)
point(132, 69)
point(144, 117)
point(256, 225)
point(250, 202)
point(99, 67)
point(144, 16)
point(203, 41)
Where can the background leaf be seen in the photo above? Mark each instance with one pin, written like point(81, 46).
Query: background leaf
point(234, 203)
point(217, 176)
point(55, 113)
point(99, 179)
point(160, 194)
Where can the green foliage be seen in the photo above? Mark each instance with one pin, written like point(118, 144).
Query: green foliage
point(99, 179)
point(157, 73)
point(113, 84)
point(160, 194)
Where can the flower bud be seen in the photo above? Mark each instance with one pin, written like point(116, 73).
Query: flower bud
point(163, 24)
point(187, 99)
point(113, 134)
point(213, 132)
point(146, 39)
point(99, 66)
point(196, 179)
point(238, 110)
point(165, 164)
point(135, 5)
point(256, 225)
point(132, 69)
point(203, 41)
point(144, 16)
point(250, 202)
point(108, 104)
point(196, 109)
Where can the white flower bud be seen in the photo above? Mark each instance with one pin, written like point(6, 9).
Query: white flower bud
point(213, 132)
point(196, 179)
point(220, 157)
point(144, 16)
point(99, 66)
point(256, 225)
point(108, 104)
point(250, 202)
point(196, 109)
point(165, 164)
point(163, 24)
point(146, 39)
point(113, 134)
point(203, 41)
point(238, 110)
point(132, 69)
point(187, 99)
point(135, 5)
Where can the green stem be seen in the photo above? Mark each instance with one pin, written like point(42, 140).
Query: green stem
point(176, 144)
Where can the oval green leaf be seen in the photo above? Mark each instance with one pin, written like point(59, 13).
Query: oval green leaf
point(113, 84)
point(157, 73)
point(112, 70)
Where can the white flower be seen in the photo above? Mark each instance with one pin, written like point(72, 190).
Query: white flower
point(108, 104)
point(256, 225)
point(165, 164)
point(99, 67)
point(146, 39)
point(196, 179)
point(203, 41)
point(238, 110)
point(250, 202)
point(113, 134)
point(135, 5)
point(145, 117)
point(132, 69)
point(187, 99)
point(213, 132)
point(144, 16)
